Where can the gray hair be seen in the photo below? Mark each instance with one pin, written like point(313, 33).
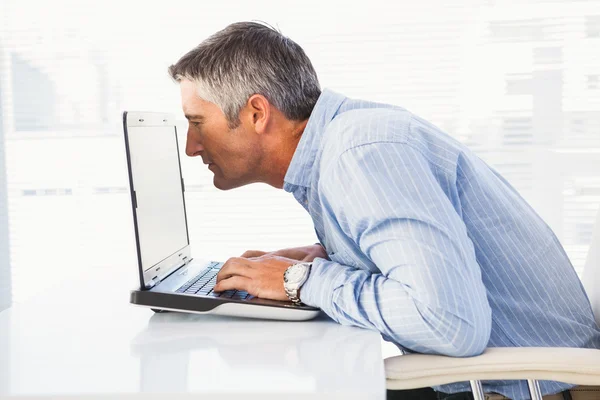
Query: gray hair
point(248, 58)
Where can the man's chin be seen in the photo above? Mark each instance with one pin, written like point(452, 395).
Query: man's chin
point(225, 185)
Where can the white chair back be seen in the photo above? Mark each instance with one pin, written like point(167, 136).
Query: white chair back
point(591, 271)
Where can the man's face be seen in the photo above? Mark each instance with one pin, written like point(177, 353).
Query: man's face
point(232, 155)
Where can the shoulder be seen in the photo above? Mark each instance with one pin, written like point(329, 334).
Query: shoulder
point(362, 126)
point(357, 128)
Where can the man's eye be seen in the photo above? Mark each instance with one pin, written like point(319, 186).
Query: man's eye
point(196, 124)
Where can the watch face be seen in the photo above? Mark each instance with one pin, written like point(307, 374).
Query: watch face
point(295, 274)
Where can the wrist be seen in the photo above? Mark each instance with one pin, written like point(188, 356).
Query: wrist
point(293, 279)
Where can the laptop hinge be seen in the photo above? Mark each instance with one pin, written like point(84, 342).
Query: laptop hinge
point(152, 282)
point(156, 280)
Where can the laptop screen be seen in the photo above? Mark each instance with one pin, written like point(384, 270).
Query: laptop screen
point(156, 177)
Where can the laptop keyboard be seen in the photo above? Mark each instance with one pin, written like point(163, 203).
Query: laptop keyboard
point(203, 284)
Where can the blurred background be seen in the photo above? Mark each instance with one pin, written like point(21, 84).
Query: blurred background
point(517, 81)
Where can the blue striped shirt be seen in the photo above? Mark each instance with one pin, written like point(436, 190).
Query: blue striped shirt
point(427, 243)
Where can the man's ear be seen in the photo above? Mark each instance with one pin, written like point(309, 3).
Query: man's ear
point(258, 112)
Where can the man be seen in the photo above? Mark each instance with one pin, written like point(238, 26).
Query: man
point(419, 238)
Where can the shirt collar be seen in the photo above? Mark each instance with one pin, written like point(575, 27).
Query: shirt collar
point(299, 172)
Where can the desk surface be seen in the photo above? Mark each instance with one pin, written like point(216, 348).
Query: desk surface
point(81, 340)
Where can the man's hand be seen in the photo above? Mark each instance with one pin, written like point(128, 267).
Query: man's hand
point(261, 276)
point(305, 253)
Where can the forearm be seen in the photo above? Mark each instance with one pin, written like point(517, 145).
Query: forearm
point(421, 323)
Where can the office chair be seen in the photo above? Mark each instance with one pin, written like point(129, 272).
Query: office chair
point(563, 364)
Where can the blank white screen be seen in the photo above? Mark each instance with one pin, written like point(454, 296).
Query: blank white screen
point(157, 183)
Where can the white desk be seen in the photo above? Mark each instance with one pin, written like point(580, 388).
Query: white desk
point(80, 340)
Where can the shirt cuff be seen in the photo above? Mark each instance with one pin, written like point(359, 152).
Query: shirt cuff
point(325, 276)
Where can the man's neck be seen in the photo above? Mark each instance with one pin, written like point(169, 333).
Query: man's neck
point(284, 152)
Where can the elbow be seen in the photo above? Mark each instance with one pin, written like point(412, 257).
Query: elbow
point(447, 334)
point(471, 342)
point(469, 339)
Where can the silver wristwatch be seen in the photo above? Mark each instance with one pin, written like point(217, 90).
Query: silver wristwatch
point(293, 279)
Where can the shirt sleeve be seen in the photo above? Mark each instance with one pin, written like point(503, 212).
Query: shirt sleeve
point(428, 296)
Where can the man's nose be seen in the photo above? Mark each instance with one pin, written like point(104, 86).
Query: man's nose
point(192, 147)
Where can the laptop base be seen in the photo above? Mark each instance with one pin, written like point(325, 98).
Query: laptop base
point(255, 308)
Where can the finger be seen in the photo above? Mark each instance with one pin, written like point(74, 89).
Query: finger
point(253, 253)
point(272, 256)
point(235, 266)
point(293, 254)
point(265, 256)
point(235, 282)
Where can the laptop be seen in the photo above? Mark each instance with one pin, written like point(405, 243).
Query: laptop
point(171, 279)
